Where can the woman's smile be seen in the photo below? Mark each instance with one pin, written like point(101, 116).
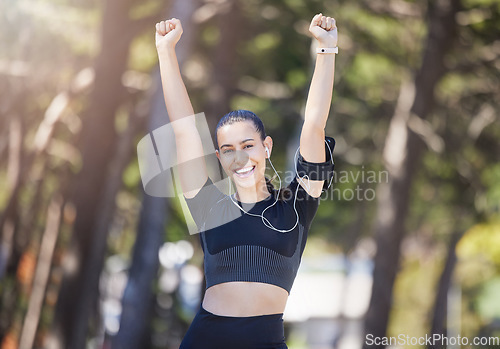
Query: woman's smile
point(245, 172)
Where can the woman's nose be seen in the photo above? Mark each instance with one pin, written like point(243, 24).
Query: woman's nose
point(241, 157)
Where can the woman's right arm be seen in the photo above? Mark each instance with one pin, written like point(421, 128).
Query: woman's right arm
point(190, 154)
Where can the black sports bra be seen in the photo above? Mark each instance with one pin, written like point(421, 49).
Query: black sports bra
point(239, 247)
point(254, 263)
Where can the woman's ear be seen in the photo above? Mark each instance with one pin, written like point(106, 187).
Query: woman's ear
point(268, 142)
point(217, 153)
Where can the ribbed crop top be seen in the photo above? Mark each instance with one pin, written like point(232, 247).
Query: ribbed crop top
point(239, 247)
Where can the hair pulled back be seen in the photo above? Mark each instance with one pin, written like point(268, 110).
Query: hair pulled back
point(238, 116)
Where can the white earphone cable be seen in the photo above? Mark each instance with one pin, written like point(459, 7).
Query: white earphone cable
point(265, 221)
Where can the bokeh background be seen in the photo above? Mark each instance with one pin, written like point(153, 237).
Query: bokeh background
point(88, 260)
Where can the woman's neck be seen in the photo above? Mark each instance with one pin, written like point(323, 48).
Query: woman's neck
point(252, 194)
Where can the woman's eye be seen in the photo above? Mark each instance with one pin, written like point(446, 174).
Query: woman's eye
point(248, 146)
point(226, 151)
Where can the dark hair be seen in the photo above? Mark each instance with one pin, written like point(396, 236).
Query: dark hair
point(246, 115)
point(241, 115)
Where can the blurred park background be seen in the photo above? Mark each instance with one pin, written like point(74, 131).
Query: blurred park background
point(405, 242)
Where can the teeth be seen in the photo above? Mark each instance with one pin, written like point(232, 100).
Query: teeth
point(243, 170)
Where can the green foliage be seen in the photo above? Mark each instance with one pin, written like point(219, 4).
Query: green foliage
point(491, 180)
point(255, 104)
point(482, 241)
point(414, 293)
point(488, 305)
point(143, 56)
point(264, 42)
point(132, 176)
point(210, 35)
point(296, 78)
point(478, 273)
point(145, 8)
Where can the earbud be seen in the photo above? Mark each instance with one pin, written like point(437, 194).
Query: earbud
point(267, 152)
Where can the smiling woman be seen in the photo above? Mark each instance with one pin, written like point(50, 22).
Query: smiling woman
point(242, 153)
point(253, 240)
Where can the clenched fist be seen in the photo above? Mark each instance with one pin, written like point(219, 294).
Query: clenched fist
point(168, 33)
point(324, 29)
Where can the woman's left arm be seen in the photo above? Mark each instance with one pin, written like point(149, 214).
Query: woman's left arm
point(312, 137)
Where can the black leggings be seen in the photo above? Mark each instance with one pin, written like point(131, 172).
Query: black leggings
point(210, 331)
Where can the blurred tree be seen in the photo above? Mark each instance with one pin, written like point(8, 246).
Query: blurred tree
point(229, 24)
point(31, 147)
point(40, 281)
point(139, 298)
point(96, 185)
point(402, 153)
point(438, 326)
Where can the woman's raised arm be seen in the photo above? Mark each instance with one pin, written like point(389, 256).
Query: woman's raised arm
point(190, 154)
point(312, 137)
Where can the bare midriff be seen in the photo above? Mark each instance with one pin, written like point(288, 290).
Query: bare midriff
point(240, 298)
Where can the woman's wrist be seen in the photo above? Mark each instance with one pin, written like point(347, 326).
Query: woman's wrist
point(327, 44)
point(167, 57)
point(165, 50)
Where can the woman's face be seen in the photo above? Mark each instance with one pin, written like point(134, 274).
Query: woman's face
point(242, 153)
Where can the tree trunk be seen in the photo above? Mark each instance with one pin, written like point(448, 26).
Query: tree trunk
point(138, 298)
point(98, 143)
point(9, 226)
point(10, 216)
point(441, 301)
point(40, 282)
point(402, 154)
point(224, 58)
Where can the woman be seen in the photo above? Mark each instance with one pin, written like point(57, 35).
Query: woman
point(252, 240)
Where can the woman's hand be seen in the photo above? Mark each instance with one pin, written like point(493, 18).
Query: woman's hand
point(168, 33)
point(324, 29)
